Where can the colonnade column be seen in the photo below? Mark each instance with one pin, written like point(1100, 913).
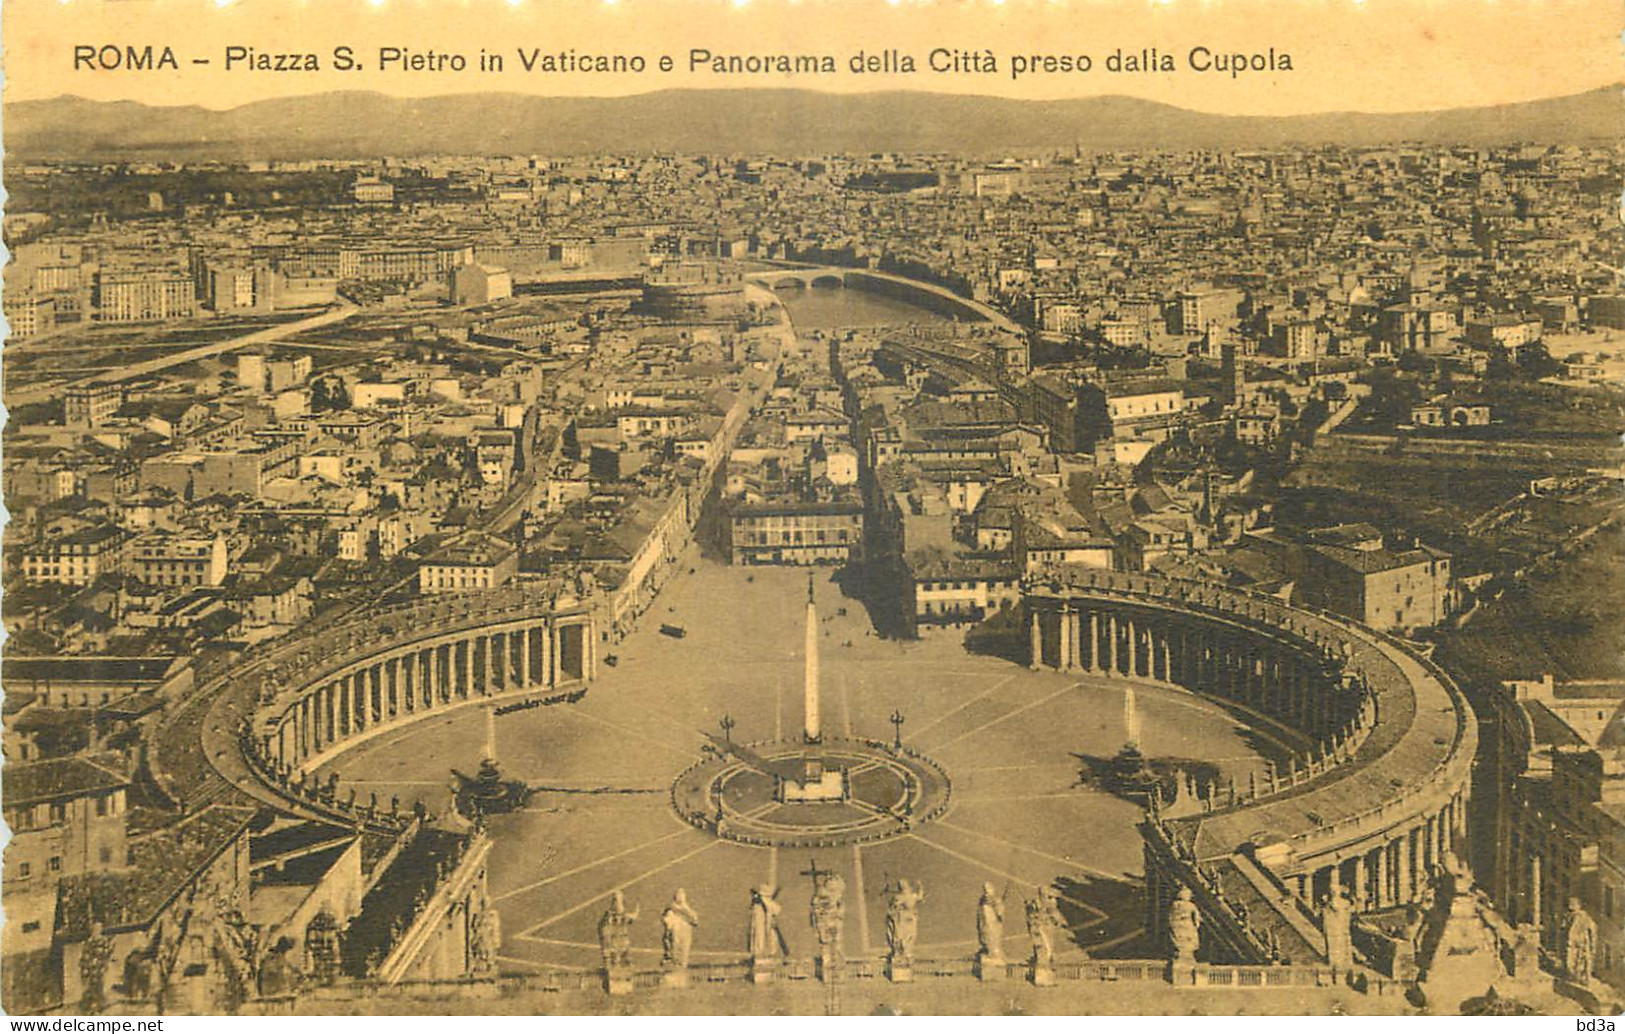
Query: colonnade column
point(1402, 868)
point(363, 699)
point(554, 644)
point(330, 708)
point(394, 708)
point(488, 644)
point(1383, 896)
point(1063, 660)
point(358, 701)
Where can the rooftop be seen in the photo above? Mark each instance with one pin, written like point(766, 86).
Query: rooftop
point(62, 778)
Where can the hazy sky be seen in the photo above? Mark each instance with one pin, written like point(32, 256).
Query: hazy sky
point(1380, 55)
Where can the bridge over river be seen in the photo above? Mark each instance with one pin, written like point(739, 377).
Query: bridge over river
point(930, 296)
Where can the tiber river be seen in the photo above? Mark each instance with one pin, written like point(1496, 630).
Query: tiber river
point(835, 308)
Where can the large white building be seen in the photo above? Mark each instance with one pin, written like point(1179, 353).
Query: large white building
point(480, 284)
point(482, 562)
point(159, 558)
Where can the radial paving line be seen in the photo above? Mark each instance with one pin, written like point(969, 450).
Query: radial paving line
point(590, 865)
point(1006, 716)
point(950, 852)
point(933, 723)
point(573, 909)
point(578, 713)
point(972, 860)
point(945, 824)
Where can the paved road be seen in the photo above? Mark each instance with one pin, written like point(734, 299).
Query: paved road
point(340, 312)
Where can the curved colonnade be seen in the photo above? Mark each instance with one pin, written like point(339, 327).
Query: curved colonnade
point(407, 664)
point(1372, 808)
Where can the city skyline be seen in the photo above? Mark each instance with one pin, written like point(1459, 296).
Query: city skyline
point(761, 121)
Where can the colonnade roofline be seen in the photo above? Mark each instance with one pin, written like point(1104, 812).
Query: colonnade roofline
point(323, 654)
point(403, 664)
point(1415, 757)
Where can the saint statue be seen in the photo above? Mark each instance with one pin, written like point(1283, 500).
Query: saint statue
point(990, 924)
point(615, 933)
point(828, 912)
point(765, 942)
point(1184, 926)
point(1579, 943)
point(677, 931)
point(1336, 919)
point(1043, 919)
point(903, 919)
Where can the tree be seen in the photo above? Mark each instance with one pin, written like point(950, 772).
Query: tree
point(327, 394)
point(1392, 397)
point(1537, 362)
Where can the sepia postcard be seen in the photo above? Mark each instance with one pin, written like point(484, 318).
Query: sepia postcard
point(814, 507)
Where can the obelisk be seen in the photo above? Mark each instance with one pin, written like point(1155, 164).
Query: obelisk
point(814, 732)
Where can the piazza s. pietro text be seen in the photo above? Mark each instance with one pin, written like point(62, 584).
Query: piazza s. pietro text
point(160, 58)
point(744, 551)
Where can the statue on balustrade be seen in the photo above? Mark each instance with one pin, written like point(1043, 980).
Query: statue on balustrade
point(1337, 918)
point(615, 933)
point(903, 920)
point(990, 926)
point(322, 947)
point(828, 913)
point(678, 923)
point(763, 938)
point(1043, 919)
point(1184, 926)
point(1579, 943)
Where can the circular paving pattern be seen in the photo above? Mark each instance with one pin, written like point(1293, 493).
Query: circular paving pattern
point(744, 793)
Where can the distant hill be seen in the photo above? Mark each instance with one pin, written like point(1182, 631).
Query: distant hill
point(359, 124)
